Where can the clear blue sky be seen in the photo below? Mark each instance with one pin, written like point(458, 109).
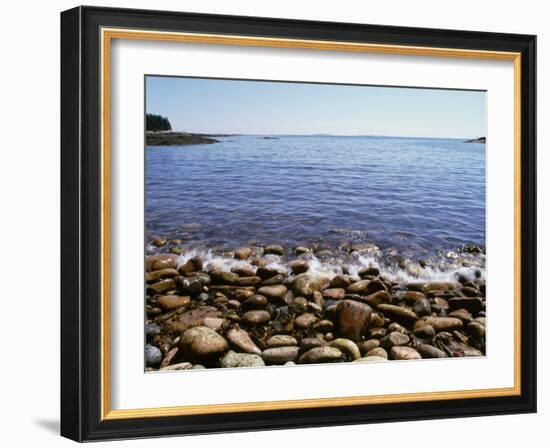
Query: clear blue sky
point(262, 107)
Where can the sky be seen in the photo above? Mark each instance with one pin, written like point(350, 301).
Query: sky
point(219, 106)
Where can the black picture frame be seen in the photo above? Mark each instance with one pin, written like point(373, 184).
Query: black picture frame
point(81, 224)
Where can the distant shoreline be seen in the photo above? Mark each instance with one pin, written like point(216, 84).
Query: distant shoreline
point(477, 140)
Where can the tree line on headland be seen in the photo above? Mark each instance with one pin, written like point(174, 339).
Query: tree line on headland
point(156, 123)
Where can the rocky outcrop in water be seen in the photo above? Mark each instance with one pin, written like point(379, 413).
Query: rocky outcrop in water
point(176, 139)
point(265, 312)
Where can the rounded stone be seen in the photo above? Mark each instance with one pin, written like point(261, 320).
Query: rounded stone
point(321, 355)
point(281, 340)
point(232, 360)
point(202, 343)
point(153, 355)
point(280, 355)
point(404, 353)
point(256, 317)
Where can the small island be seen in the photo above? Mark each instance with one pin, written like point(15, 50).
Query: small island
point(159, 133)
point(164, 138)
point(477, 140)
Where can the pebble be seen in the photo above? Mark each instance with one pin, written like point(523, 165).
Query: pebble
point(242, 253)
point(274, 249)
point(241, 340)
point(255, 302)
point(321, 355)
point(440, 323)
point(379, 352)
point(202, 343)
point(393, 339)
point(256, 317)
point(399, 313)
point(168, 303)
point(232, 360)
point(281, 340)
point(352, 319)
point(153, 355)
point(305, 320)
point(275, 292)
point(309, 343)
point(347, 346)
point(425, 332)
point(401, 353)
point(280, 355)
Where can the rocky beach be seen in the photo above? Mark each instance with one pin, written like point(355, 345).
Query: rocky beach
point(268, 305)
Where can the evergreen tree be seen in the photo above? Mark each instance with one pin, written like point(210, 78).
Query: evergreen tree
point(157, 123)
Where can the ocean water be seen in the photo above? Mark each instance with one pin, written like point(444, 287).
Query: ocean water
point(417, 197)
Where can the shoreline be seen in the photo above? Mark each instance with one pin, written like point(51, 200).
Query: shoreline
point(165, 138)
point(270, 305)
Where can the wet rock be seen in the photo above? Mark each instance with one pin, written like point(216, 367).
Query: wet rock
point(303, 285)
point(223, 277)
point(280, 355)
point(164, 261)
point(340, 281)
point(363, 247)
point(234, 304)
point(440, 323)
point(409, 296)
point(242, 294)
point(242, 253)
point(369, 272)
point(302, 250)
point(377, 332)
point(191, 285)
point(352, 319)
point(159, 242)
point(393, 339)
point(470, 291)
point(429, 351)
point(274, 249)
point(275, 280)
point(169, 303)
point(244, 271)
point(162, 286)
point(256, 317)
point(404, 353)
point(274, 293)
point(265, 272)
point(153, 355)
point(334, 293)
point(425, 332)
point(441, 303)
point(358, 287)
point(379, 352)
point(232, 360)
point(298, 266)
point(374, 286)
point(472, 304)
point(154, 276)
point(281, 340)
point(305, 320)
point(202, 343)
point(247, 281)
point(422, 307)
point(241, 341)
point(256, 302)
point(376, 298)
point(192, 265)
point(399, 313)
point(346, 346)
point(321, 355)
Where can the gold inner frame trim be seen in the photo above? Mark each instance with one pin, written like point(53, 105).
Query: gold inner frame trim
point(107, 35)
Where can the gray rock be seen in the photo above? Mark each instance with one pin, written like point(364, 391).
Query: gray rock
point(347, 346)
point(153, 355)
point(256, 317)
point(232, 359)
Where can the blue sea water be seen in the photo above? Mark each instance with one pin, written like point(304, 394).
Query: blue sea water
point(418, 196)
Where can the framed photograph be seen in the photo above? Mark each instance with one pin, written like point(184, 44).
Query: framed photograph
point(276, 224)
